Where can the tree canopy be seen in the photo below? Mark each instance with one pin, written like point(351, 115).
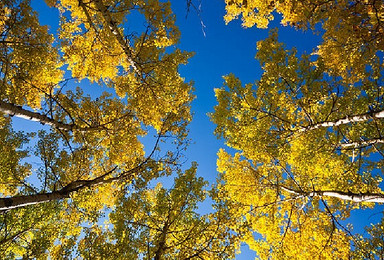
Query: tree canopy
point(98, 171)
point(352, 31)
point(99, 87)
point(308, 132)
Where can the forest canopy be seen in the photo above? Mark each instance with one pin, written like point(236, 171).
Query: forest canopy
point(95, 119)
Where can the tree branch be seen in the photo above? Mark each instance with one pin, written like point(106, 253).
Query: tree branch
point(345, 120)
point(114, 30)
point(65, 192)
point(355, 197)
point(360, 144)
point(18, 111)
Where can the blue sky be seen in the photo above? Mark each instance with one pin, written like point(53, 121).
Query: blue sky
point(219, 50)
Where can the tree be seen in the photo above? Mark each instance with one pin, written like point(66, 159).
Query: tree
point(311, 150)
point(104, 129)
point(371, 246)
point(352, 30)
point(91, 148)
point(162, 223)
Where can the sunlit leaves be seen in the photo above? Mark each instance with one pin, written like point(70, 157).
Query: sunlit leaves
point(13, 170)
point(162, 223)
point(352, 30)
point(29, 63)
point(300, 132)
point(101, 85)
point(97, 46)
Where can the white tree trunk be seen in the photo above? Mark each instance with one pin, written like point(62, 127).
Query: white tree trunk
point(343, 121)
point(362, 143)
point(355, 197)
point(18, 111)
point(114, 30)
point(65, 192)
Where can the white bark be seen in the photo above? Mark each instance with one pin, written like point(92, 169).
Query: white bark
point(343, 121)
point(114, 30)
point(65, 192)
point(355, 197)
point(362, 143)
point(18, 111)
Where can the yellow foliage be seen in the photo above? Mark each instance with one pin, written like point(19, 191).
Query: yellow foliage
point(92, 151)
point(352, 29)
point(301, 161)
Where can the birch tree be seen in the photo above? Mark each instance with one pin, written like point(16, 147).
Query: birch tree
point(146, 89)
point(155, 223)
point(96, 88)
point(162, 223)
point(310, 150)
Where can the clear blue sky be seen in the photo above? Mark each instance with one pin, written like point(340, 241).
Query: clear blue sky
point(222, 50)
point(219, 50)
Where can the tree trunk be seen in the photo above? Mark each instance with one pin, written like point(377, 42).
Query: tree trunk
point(362, 143)
point(355, 197)
point(162, 243)
point(25, 200)
point(345, 120)
point(65, 192)
point(113, 28)
point(18, 111)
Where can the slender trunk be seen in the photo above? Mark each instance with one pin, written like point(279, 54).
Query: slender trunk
point(345, 120)
point(18, 111)
point(65, 192)
point(113, 28)
point(162, 243)
point(355, 197)
point(8, 239)
point(25, 200)
point(362, 143)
